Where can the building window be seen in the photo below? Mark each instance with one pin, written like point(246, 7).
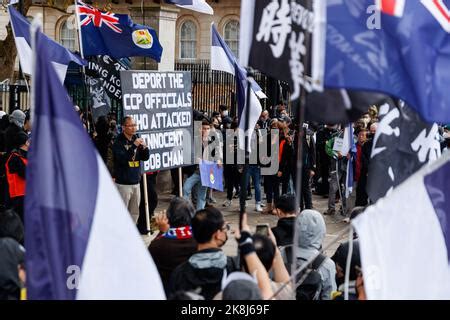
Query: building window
point(231, 36)
point(68, 36)
point(188, 40)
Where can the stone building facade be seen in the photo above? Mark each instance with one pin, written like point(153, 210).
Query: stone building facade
point(185, 35)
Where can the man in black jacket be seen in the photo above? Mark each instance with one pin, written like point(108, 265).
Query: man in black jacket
point(205, 269)
point(286, 212)
point(128, 152)
point(174, 244)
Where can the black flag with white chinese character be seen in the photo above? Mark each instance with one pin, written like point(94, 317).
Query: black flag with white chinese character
point(108, 69)
point(403, 143)
point(282, 30)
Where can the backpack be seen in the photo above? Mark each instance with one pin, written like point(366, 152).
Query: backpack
point(311, 287)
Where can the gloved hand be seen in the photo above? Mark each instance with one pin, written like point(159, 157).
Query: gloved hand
point(245, 243)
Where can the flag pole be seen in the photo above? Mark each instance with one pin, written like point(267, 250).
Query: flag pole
point(180, 182)
point(80, 42)
point(244, 180)
point(147, 211)
point(300, 136)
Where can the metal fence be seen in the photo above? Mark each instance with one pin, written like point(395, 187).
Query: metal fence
point(211, 88)
point(13, 96)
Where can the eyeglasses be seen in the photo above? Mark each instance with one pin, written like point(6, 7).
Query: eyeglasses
point(226, 227)
point(131, 125)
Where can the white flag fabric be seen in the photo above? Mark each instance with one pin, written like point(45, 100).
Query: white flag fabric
point(405, 238)
point(195, 5)
point(79, 234)
point(59, 55)
point(223, 59)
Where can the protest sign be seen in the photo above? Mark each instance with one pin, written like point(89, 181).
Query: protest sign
point(161, 105)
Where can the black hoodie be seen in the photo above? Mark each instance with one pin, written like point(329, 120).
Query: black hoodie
point(12, 255)
point(189, 276)
point(284, 231)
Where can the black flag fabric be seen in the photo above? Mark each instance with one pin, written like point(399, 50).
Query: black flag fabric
point(274, 41)
point(402, 144)
point(100, 102)
point(340, 106)
point(108, 70)
point(280, 36)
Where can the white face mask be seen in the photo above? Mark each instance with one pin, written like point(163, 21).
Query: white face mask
point(225, 113)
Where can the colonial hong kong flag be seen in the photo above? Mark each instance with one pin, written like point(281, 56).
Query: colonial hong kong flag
point(407, 58)
point(59, 56)
point(211, 175)
point(404, 238)
point(391, 7)
point(116, 35)
point(196, 5)
point(81, 241)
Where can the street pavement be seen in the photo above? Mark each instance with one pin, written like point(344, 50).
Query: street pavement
point(335, 225)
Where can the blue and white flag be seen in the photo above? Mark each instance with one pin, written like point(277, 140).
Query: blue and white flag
point(404, 238)
point(401, 48)
point(211, 175)
point(81, 241)
point(223, 59)
point(116, 35)
point(58, 55)
point(196, 5)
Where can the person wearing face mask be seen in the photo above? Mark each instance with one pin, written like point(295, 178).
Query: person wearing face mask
point(224, 114)
point(15, 166)
point(205, 269)
point(362, 199)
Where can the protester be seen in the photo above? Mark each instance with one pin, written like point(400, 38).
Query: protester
point(17, 121)
point(263, 122)
point(152, 197)
point(239, 286)
point(358, 163)
point(128, 152)
point(174, 244)
point(272, 259)
point(312, 230)
point(340, 260)
point(103, 139)
point(252, 263)
point(194, 182)
point(15, 166)
point(12, 256)
point(206, 267)
point(308, 168)
point(231, 173)
point(287, 158)
point(272, 182)
point(323, 160)
point(446, 143)
point(286, 211)
point(362, 199)
point(337, 173)
point(224, 114)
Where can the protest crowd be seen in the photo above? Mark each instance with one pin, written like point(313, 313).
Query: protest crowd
point(79, 186)
point(187, 250)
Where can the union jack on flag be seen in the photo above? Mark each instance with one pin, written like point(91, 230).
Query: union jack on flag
point(97, 17)
point(391, 7)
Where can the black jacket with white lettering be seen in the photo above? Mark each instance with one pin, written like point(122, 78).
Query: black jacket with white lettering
point(124, 152)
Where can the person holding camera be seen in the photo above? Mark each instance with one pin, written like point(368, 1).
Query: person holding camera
point(128, 152)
